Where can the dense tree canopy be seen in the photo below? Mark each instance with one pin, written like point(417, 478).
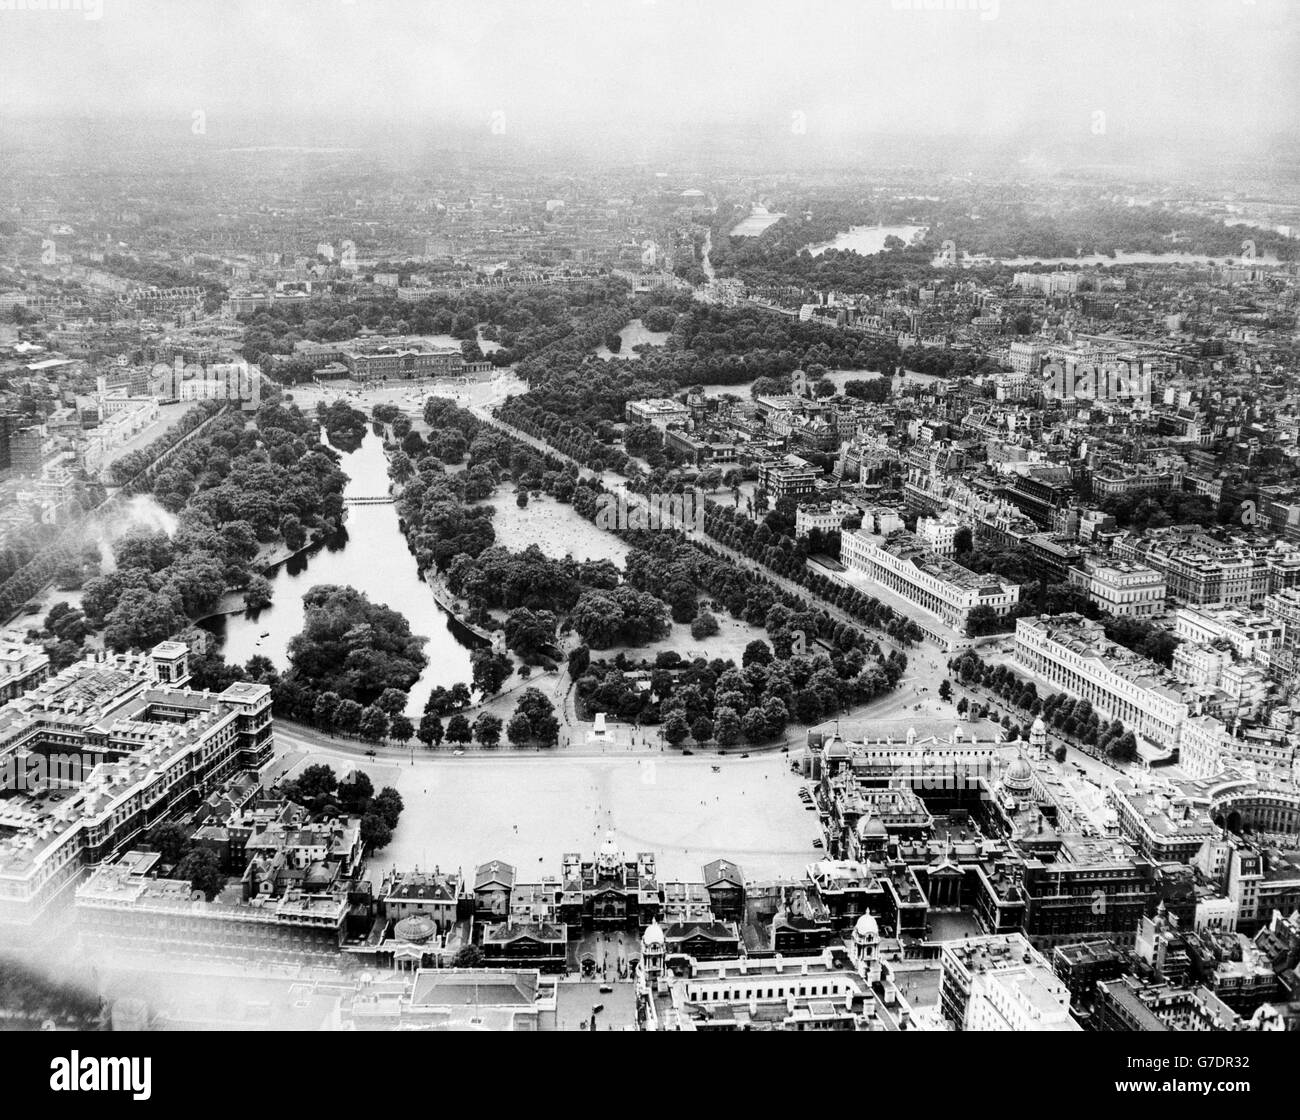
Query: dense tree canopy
point(353, 647)
point(235, 488)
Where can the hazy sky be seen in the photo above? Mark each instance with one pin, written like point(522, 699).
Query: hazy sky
point(1187, 70)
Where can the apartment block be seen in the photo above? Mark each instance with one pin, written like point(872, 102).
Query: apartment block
point(1073, 653)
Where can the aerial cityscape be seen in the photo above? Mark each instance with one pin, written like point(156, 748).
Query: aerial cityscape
point(650, 517)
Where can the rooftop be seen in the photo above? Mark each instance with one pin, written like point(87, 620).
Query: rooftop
point(908, 547)
point(482, 986)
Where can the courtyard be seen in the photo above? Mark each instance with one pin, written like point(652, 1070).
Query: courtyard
point(530, 810)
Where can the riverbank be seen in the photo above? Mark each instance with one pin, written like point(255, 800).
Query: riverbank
point(268, 559)
point(448, 602)
point(439, 591)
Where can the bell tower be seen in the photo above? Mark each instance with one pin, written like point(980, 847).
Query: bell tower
point(866, 947)
point(1038, 738)
point(653, 951)
point(171, 663)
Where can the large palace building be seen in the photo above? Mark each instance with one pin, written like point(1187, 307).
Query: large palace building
point(104, 751)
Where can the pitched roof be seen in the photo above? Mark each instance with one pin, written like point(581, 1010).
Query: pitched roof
point(721, 871)
point(457, 987)
point(497, 872)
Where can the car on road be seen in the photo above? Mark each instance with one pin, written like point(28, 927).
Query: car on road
point(605, 989)
point(457, 754)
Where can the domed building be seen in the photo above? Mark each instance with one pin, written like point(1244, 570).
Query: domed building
point(1016, 789)
point(835, 755)
point(873, 837)
point(415, 930)
point(1019, 777)
point(609, 858)
point(415, 942)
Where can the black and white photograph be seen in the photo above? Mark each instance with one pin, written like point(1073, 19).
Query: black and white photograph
point(650, 516)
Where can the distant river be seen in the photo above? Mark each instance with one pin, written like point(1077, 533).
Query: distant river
point(1094, 260)
point(372, 556)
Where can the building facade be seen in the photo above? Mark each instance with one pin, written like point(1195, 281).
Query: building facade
point(942, 587)
point(1073, 653)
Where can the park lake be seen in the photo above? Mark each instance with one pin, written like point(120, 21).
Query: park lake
point(371, 554)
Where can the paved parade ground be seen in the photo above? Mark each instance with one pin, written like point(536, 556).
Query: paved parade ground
point(530, 810)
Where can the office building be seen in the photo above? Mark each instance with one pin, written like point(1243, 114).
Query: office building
point(1122, 589)
point(118, 744)
point(1001, 983)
